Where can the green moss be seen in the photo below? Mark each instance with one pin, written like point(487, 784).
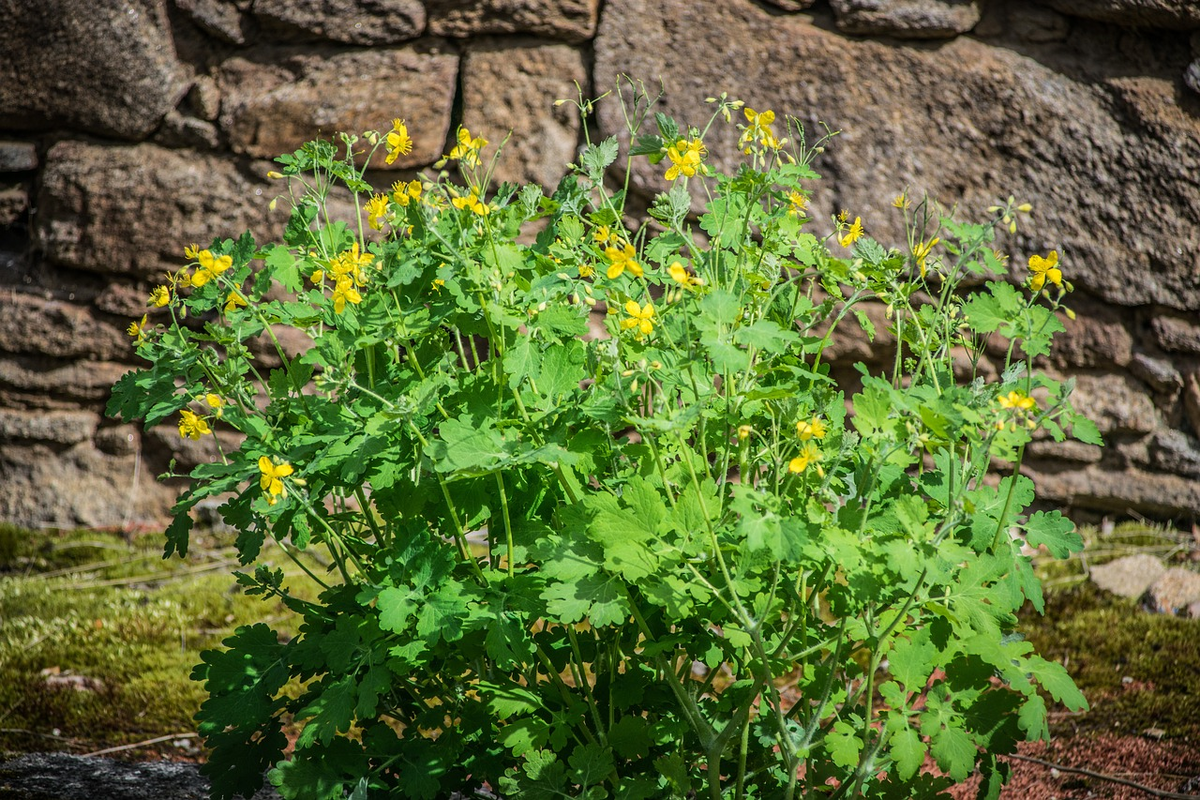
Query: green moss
point(98, 635)
point(1138, 669)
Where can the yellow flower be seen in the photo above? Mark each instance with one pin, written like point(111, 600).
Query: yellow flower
point(233, 302)
point(350, 264)
point(137, 330)
point(682, 277)
point(811, 429)
point(272, 477)
point(796, 204)
point(403, 192)
point(603, 235)
point(192, 426)
point(1018, 401)
point(159, 297)
point(853, 234)
point(640, 317)
point(191, 252)
point(377, 209)
point(398, 141)
point(586, 270)
point(467, 149)
point(215, 402)
point(210, 267)
point(685, 158)
point(809, 455)
point(744, 431)
point(1044, 269)
point(344, 292)
point(901, 201)
point(760, 129)
point(437, 284)
point(622, 260)
point(921, 253)
point(471, 202)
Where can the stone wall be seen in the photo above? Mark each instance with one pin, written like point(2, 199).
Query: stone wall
point(129, 128)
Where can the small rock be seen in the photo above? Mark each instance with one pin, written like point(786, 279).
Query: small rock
point(17, 157)
point(908, 19)
point(179, 131)
point(1129, 576)
point(205, 98)
point(1177, 334)
point(1175, 591)
point(1191, 76)
point(1158, 372)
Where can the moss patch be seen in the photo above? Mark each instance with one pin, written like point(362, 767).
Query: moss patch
point(1139, 670)
point(98, 635)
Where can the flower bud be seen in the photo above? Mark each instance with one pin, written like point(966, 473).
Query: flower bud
point(273, 175)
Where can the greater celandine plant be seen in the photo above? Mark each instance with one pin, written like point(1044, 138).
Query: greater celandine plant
point(668, 559)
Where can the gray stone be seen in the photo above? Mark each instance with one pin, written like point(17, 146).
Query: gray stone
point(37, 776)
point(1158, 372)
point(132, 209)
point(508, 88)
point(205, 98)
point(1172, 14)
point(179, 131)
point(38, 382)
point(1175, 452)
point(1116, 403)
point(571, 20)
point(60, 427)
point(272, 108)
point(907, 19)
point(1068, 450)
point(221, 18)
point(966, 121)
point(365, 22)
point(791, 5)
point(1177, 334)
point(1033, 23)
point(1191, 401)
point(1129, 576)
point(107, 68)
point(1097, 337)
point(36, 325)
point(1191, 76)
point(1175, 591)
point(18, 156)
point(117, 440)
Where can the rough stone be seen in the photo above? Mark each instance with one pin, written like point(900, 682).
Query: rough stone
point(1191, 76)
point(37, 382)
point(132, 209)
point(118, 83)
point(967, 121)
point(508, 88)
point(1035, 23)
point(81, 486)
point(59, 427)
point(791, 5)
point(205, 98)
point(117, 440)
point(1097, 337)
point(1191, 401)
point(907, 19)
point(850, 343)
point(1068, 450)
point(1129, 576)
point(222, 18)
point(572, 20)
point(1116, 403)
point(1158, 372)
point(18, 156)
point(364, 22)
point(179, 131)
point(1173, 14)
point(270, 107)
point(1096, 489)
point(1175, 591)
point(1176, 334)
point(14, 200)
point(55, 328)
point(36, 776)
point(1175, 452)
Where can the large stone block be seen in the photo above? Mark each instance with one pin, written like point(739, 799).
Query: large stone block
point(132, 209)
point(107, 68)
point(907, 19)
point(572, 20)
point(273, 106)
point(1096, 489)
point(35, 325)
point(60, 427)
point(1174, 14)
point(508, 88)
point(967, 121)
point(33, 382)
point(1116, 403)
point(366, 22)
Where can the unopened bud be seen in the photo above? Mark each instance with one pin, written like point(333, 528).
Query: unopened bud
point(562, 276)
point(626, 373)
point(273, 175)
point(744, 431)
point(1025, 208)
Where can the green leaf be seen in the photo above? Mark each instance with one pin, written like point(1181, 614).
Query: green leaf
point(986, 313)
point(1054, 679)
point(332, 711)
point(843, 744)
point(954, 751)
point(562, 369)
point(908, 750)
point(1055, 532)
point(596, 158)
point(397, 606)
point(522, 361)
point(1086, 431)
point(912, 660)
point(525, 735)
point(597, 597)
point(1032, 718)
point(630, 737)
point(590, 763)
